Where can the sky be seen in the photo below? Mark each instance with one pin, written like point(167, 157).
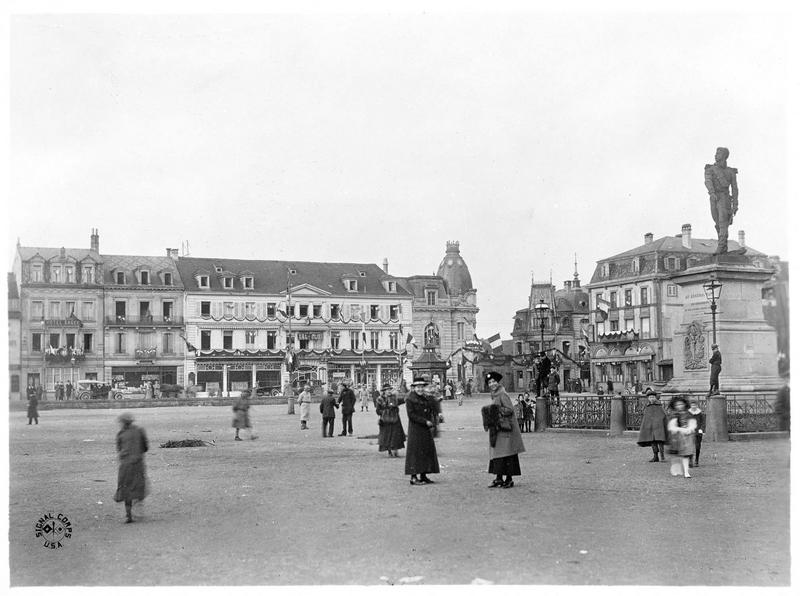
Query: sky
point(536, 139)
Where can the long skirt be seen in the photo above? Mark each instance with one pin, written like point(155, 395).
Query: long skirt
point(241, 419)
point(505, 466)
point(131, 482)
point(421, 455)
point(391, 436)
point(682, 445)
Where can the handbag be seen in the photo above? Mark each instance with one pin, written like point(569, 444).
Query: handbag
point(504, 423)
point(390, 415)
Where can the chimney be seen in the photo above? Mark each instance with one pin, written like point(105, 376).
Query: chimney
point(172, 253)
point(686, 232)
point(95, 241)
point(648, 238)
point(385, 265)
point(741, 238)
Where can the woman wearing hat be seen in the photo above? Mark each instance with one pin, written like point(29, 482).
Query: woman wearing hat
point(681, 427)
point(421, 458)
point(653, 429)
point(131, 482)
point(391, 435)
point(503, 454)
point(304, 401)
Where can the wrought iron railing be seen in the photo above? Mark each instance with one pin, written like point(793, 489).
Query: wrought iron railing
point(580, 412)
point(144, 320)
point(752, 412)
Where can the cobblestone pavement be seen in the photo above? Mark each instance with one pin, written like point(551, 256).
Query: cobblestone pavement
point(293, 508)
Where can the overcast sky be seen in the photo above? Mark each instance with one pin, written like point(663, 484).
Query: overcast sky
point(531, 138)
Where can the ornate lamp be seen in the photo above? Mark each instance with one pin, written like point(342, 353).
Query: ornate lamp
point(713, 289)
point(541, 311)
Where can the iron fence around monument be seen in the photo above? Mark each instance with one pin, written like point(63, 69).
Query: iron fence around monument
point(752, 412)
point(572, 411)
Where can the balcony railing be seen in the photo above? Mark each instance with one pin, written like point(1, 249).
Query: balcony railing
point(145, 353)
point(65, 355)
point(144, 320)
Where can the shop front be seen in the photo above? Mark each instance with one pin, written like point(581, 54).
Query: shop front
point(136, 376)
point(229, 373)
point(370, 368)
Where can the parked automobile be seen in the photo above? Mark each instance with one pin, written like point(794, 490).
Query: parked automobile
point(91, 389)
point(262, 389)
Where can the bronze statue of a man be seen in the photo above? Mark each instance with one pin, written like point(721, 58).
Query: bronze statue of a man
point(724, 202)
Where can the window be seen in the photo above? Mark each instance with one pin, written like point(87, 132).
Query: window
point(351, 285)
point(604, 270)
point(205, 340)
point(202, 281)
point(271, 339)
point(87, 274)
point(249, 309)
point(305, 341)
point(146, 340)
point(391, 287)
point(601, 328)
point(317, 311)
point(613, 299)
point(354, 340)
point(167, 343)
point(247, 283)
point(55, 340)
point(394, 340)
point(144, 311)
point(334, 340)
point(362, 274)
point(250, 337)
point(168, 279)
point(645, 331)
point(394, 312)
point(88, 342)
point(119, 311)
point(303, 310)
point(120, 277)
point(460, 330)
point(14, 383)
point(518, 347)
point(374, 339)
point(227, 283)
point(672, 263)
point(87, 311)
point(374, 311)
point(144, 278)
point(336, 311)
point(270, 309)
point(70, 310)
point(291, 310)
point(55, 274)
point(55, 310)
point(672, 290)
point(166, 311)
point(628, 324)
point(643, 298)
point(614, 325)
point(37, 310)
point(565, 347)
point(635, 265)
point(119, 344)
point(69, 274)
point(70, 340)
point(36, 342)
point(36, 272)
point(205, 308)
point(228, 309)
point(430, 297)
point(227, 340)
point(628, 297)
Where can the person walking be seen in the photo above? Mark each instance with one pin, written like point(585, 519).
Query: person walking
point(304, 403)
point(716, 368)
point(33, 406)
point(653, 430)
point(327, 407)
point(700, 421)
point(681, 427)
point(468, 388)
point(148, 390)
point(421, 458)
point(363, 396)
point(505, 440)
point(241, 415)
point(391, 435)
point(527, 413)
point(347, 399)
point(131, 479)
point(519, 412)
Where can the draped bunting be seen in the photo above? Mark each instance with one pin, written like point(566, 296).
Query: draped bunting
point(281, 317)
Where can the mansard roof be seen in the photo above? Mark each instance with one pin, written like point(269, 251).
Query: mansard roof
point(132, 263)
point(49, 253)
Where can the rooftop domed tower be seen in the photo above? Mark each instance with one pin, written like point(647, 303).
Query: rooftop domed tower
point(454, 271)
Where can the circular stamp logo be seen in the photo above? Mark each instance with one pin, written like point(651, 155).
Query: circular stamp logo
point(53, 529)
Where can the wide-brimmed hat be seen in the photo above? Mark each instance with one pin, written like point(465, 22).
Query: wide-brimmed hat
point(419, 381)
point(494, 375)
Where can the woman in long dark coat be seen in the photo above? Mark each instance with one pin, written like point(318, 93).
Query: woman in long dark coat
point(391, 435)
point(33, 407)
point(653, 431)
point(131, 481)
point(421, 456)
point(504, 453)
point(241, 415)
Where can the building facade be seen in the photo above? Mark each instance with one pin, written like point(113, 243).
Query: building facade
point(637, 308)
point(15, 390)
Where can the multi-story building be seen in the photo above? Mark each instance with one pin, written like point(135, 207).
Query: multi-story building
point(143, 317)
point(61, 326)
point(637, 306)
point(444, 311)
point(14, 339)
point(341, 319)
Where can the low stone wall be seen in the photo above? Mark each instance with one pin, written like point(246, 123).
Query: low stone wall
point(123, 404)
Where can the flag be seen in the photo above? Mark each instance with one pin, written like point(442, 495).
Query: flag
point(363, 335)
point(410, 340)
point(585, 333)
point(189, 347)
point(495, 341)
point(602, 304)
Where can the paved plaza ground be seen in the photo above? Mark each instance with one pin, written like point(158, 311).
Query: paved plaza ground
point(293, 508)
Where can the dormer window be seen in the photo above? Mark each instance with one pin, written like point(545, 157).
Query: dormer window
point(144, 278)
point(351, 285)
point(636, 265)
point(168, 279)
point(88, 274)
point(292, 271)
point(120, 275)
point(227, 283)
point(391, 286)
point(202, 281)
point(247, 283)
point(362, 274)
point(218, 269)
point(55, 274)
point(36, 272)
point(430, 297)
point(604, 270)
point(69, 274)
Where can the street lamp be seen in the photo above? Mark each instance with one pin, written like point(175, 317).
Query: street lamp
point(541, 311)
point(713, 289)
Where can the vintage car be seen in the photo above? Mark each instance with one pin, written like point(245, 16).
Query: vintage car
point(263, 389)
point(90, 389)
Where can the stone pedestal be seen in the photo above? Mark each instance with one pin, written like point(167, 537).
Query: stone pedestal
point(617, 426)
point(716, 419)
point(542, 414)
point(748, 344)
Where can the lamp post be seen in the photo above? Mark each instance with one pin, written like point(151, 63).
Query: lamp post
point(713, 289)
point(542, 403)
point(44, 357)
point(541, 311)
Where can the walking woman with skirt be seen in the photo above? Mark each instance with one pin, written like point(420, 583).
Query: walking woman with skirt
point(504, 453)
point(131, 481)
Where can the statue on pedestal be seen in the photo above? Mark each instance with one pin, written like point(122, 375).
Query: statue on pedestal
point(723, 195)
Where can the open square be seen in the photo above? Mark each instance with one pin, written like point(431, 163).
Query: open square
point(293, 508)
